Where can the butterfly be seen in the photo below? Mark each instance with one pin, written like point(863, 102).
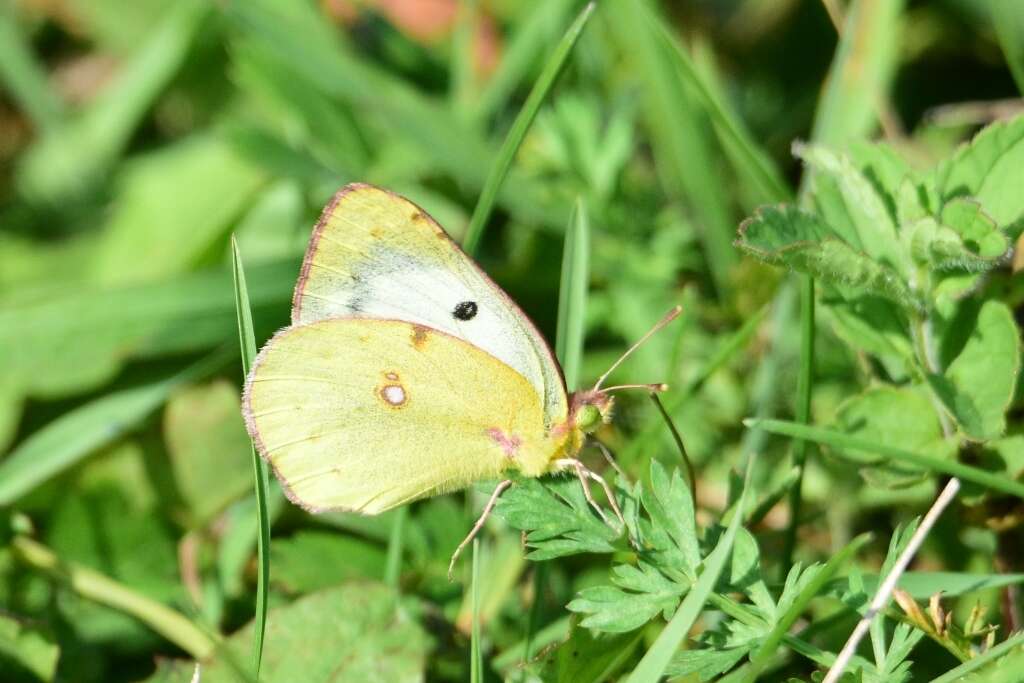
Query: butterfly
point(407, 372)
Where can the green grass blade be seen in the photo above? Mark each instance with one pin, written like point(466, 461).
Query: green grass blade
point(520, 54)
point(396, 544)
point(82, 431)
point(849, 446)
point(23, 75)
point(247, 342)
point(476, 674)
point(572, 295)
point(859, 78)
point(461, 65)
point(987, 657)
point(804, 386)
point(79, 152)
point(750, 161)
point(1008, 20)
point(685, 155)
point(521, 124)
point(653, 663)
point(763, 655)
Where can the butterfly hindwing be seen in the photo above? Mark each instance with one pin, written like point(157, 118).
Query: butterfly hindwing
point(374, 254)
point(365, 415)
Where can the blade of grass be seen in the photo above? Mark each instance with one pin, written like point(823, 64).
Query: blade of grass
point(985, 658)
point(396, 543)
point(247, 343)
point(23, 75)
point(804, 386)
point(767, 649)
point(80, 151)
point(679, 127)
point(520, 54)
point(92, 585)
point(569, 336)
point(752, 162)
point(884, 593)
point(1008, 20)
point(521, 124)
point(572, 295)
point(83, 430)
point(848, 447)
point(461, 67)
point(652, 664)
point(476, 674)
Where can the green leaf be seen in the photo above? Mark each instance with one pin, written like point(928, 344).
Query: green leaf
point(311, 560)
point(28, 653)
point(353, 633)
point(670, 507)
point(586, 657)
point(979, 384)
point(705, 663)
point(856, 209)
point(801, 241)
point(208, 447)
point(81, 431)
point(147, 218)
point(980, 235)
point(654, 662)
point(854, 449)
point(876, 326)
point(76, 156)
point(640, 593)
point(557, 518)
point(903, 417)
point(987, 169)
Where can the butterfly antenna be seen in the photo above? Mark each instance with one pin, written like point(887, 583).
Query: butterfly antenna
point(648, 387)
point(669, 317)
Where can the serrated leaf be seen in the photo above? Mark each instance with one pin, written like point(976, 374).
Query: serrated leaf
point(980, 382)
point(641, 594)
point(869, 224)
point(670, 507)
point(787, 236)
point(987, 169)
point(980, 234)
point(556, 518)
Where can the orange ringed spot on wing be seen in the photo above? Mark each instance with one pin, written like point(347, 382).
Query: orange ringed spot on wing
point(393, 395)
point(419, 336)
point(508, 442)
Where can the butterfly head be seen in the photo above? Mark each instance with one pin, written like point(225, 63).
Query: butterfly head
point(591, 409)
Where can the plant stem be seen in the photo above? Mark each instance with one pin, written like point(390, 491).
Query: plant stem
point(94, 586)
point(884, 592)
point(803, 415)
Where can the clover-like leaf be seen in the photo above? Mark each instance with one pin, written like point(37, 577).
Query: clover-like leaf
point(802, 241)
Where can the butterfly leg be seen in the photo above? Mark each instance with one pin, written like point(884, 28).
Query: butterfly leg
point(479, 524)
point(584, 473)
point(606, 452)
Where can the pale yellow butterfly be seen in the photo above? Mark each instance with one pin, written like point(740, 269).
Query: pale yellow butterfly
point(406, 372)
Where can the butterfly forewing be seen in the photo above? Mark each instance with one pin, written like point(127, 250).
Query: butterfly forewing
point(376, 255)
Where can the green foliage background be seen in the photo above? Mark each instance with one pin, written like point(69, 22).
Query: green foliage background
point(717, 155)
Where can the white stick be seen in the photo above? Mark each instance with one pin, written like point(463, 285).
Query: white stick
point(884, 592)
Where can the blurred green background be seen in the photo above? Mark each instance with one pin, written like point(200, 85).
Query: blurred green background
point(136, 137)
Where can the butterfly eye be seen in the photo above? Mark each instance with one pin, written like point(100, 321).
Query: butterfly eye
point(465, 310)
